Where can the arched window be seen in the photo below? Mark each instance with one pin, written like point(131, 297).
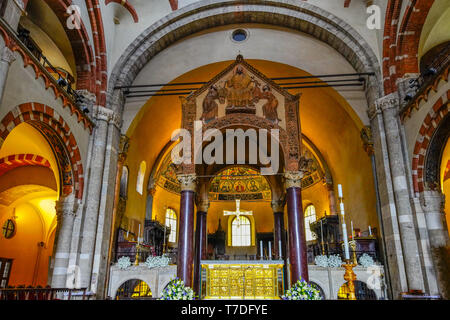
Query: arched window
point(171, 221)
point(310, 217)
point(124, 183)
point(241, 234)
point(140, 177)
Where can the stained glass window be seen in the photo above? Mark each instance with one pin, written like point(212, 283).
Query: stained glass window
point(171, 221)
point(241, 232)
point(310, 217)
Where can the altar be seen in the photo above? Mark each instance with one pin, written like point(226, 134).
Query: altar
point(235, 279)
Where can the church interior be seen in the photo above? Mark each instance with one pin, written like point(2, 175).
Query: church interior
point(96, 100)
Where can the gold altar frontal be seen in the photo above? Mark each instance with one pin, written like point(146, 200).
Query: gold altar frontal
point(242, 280)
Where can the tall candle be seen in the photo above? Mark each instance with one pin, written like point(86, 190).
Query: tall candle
point(344, 233)
point(261, 249)
point(270, 250)
point(340, 191)
point(139, 233)
point(370, 231)
point(279, 248)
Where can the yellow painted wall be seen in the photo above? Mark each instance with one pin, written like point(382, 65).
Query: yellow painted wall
point(25, 139)
point(34, 223)
point(316, 195)
point(445, 184)
point(436, 29)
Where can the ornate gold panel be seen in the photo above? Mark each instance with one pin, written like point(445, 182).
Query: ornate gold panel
point(242, 281)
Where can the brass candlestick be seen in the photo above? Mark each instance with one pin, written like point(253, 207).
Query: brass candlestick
point(136, 261)
point(353, 246)
point(350, 277)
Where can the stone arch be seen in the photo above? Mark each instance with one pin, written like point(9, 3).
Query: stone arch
point(427, 150)
point(206, 14)
point(132, 279)
point(57, 132)
point(319, 287)
point(409, 36)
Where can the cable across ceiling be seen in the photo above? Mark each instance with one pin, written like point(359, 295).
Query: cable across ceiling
point(300, 82)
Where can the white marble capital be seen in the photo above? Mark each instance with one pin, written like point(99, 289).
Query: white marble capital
point(108, 115)
point(390, 101)
point(293, 179)
point(188, 182)
point(7, 55)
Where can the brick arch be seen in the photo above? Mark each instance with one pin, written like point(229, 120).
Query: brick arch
point(401, 44)
point(127, 6)
point(19, 160)
point(79, 40)
point(430, 125)
point(56, 130)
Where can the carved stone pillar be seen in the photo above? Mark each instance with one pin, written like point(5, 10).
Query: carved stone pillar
point(432, 203)
point(200, 242)
point(186, 228)
point(92, 217)
point(7, 57)
point(65, 213)
point(389, 106)
point(118, 210)
point(296, 229)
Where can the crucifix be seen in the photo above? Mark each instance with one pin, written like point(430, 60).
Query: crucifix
point(238, 212)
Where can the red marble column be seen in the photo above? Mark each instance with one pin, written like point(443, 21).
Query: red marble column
point(200, 247)
point(278, 231)
point(297, 240)
point(186, 230)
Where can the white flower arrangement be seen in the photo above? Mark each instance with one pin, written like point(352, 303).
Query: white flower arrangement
point(334, 261)
point(366, 260)
point(302, 291)
point(154, 262)
point(176, 290)
point(321, 261)
point(124, 262)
